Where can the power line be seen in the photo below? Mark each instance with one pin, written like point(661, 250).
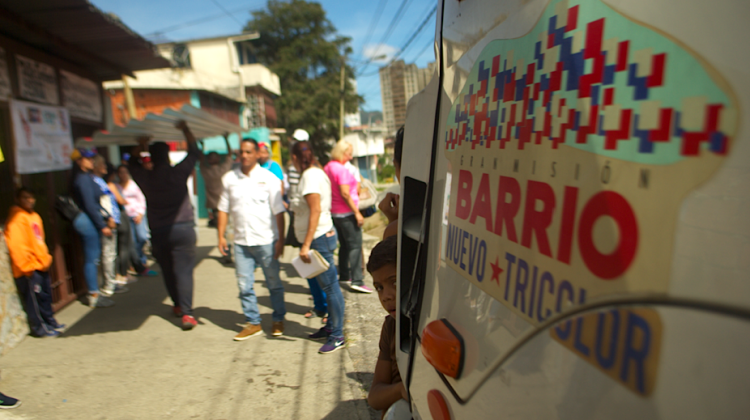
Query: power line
point(429, 44)
point(414, 35)
point(396, 18)
point(195, 22)
point(374, 22)
point(227, 12)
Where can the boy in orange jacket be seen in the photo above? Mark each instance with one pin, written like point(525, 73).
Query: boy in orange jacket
point(31, 260)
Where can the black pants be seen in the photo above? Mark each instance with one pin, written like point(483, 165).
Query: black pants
point(36, 293)
point(174, 249)
point(126, 254)
point(350, 253)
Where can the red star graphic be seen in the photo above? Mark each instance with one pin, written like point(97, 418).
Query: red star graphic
point(496, 270)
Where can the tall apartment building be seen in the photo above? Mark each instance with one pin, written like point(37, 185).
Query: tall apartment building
point(398, 83)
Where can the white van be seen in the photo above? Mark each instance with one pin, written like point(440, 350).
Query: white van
point(578, 246)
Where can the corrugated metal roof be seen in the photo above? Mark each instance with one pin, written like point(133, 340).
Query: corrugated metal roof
point(162, 128)
point(77, 31)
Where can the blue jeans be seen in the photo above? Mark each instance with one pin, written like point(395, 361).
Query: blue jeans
point(328, 281)
point(247, 258)
point(92, 250)
point(140, 236)
point(318, 295)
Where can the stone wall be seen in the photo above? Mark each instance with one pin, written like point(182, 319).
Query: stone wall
point(13, 324)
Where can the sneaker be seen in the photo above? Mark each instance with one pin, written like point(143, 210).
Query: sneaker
point(321, 333)
point(99, 301)
point(333, 344)
point(49, 333)
point(361, 288)
point(7, 402)
point(278, 329)
point(188, 322)
point(109, 291)
point(130, 279)
point(345, 281)
point(148, 273)
point(57, 326)
point(177, 311)
point(249, 331)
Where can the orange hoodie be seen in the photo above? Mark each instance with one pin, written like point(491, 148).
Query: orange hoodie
point(24, 234)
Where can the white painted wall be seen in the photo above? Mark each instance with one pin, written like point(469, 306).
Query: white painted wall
point(212, 62)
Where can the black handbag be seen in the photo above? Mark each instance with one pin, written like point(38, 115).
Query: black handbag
point(67, 208)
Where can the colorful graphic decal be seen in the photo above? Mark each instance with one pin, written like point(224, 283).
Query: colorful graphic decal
point(571, 150)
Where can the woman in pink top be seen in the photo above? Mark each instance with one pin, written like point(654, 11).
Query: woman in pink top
point(136, 210)
point(347, 219)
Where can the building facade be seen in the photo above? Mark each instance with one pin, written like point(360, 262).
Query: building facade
point(398, 83)
point(51, 71)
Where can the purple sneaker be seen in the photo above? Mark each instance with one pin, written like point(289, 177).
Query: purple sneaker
point(361, 288)
point(321, 333)
point(333, 344)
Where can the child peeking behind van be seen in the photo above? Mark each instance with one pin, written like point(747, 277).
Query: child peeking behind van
point(387, 387)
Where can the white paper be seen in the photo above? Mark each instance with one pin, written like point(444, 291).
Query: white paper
point(317, 265)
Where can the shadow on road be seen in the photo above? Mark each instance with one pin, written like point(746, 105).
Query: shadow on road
point(345, 410)
point(131, 309)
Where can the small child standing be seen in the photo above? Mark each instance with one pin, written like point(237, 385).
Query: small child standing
point(387, 387)
point(31, 260)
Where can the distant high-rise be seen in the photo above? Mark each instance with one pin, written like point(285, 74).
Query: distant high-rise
point(398, 83)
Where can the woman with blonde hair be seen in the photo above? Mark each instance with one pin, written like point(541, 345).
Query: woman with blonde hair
point(313, 228)
point(346, 216)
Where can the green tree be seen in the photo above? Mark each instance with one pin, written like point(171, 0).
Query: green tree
point(300, 45)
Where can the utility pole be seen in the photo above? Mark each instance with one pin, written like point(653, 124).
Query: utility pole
point(341, 103)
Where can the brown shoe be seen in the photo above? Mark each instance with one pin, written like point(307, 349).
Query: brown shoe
point(249, 331)
point(278, 329)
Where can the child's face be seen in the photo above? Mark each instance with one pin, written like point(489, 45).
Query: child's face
point(384, 280)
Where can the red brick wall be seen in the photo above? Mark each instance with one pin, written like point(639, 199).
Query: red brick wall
point(220, 107)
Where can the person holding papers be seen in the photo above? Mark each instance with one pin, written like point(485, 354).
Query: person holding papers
point(252, 196)
point(313, 228)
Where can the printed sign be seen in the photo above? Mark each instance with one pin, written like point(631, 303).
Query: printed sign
point(81, 96)
point(625, 344)
point(5, 90)
point(571, 151)
point(43, 141)
point(37, 81)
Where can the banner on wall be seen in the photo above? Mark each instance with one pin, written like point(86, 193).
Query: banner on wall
point(5, 90)
point(37, 81)
point(43, 141)
point(81, 96)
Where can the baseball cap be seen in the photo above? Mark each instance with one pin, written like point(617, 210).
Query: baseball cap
point(262, 144)
point(81, 153)
point(301, 135)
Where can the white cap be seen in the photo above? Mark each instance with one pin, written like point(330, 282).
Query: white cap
point(301, 135)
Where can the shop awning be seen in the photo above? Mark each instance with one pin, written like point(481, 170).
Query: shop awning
point(162, 128)
point(77, 31)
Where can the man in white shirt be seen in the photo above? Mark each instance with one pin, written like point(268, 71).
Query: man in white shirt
point(252, 195)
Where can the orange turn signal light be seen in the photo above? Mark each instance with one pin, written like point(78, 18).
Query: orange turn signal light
point(438, 407)
point(443, 347)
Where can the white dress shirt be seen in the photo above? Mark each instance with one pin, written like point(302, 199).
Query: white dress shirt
point(252, 201)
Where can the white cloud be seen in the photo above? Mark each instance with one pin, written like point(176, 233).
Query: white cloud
point(379, 53)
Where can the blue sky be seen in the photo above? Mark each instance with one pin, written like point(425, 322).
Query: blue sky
point(350, 17)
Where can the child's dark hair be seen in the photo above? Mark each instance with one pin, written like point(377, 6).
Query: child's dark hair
point(384, 253)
